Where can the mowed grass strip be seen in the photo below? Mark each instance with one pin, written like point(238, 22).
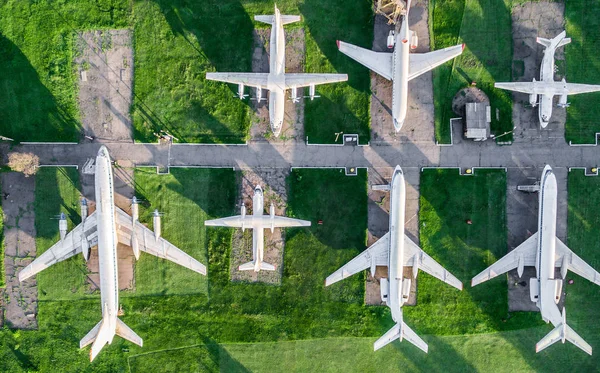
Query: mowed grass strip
point(447, 201)
point(583, 66)
point(56, 192)
point(38, 84)
point(186, 197)
point(485, 27)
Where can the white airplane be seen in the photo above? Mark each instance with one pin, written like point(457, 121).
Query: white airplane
point(257, 222)
point(400, 66)
point(106, 227)
point(547, 88)
point(396, 251)
point(545, 251)
point(277, 81)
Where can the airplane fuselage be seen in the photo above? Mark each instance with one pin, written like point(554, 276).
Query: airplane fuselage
point(400, 70)
point(276, 78)
point(107, 240)
point(546, 75)
point(396, 256)
point(258, 233)
point(546, 247)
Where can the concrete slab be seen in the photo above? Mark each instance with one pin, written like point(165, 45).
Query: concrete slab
point(19, 300)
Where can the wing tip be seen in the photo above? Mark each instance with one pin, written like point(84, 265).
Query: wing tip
point(463, 47)
point(337, 42)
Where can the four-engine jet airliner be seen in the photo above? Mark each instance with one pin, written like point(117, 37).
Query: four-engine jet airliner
point(400, 66)
point(277, 81)
point(547, 88)
point(106, 227)
point(545, 251)
point(396, 251)
point(257, 222)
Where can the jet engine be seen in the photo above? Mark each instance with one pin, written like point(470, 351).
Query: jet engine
point(383, 289)
point(85, 245)
point(134, 219)
point(414, 40)
point(557, 290)
point(243, 217)
point(62, 225)
point(562, 101)
point(391, 40)
point(272, 213)
point(156, 224)
point(405, 289)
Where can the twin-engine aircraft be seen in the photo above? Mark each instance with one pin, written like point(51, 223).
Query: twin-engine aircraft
point(545, 251)
point(258, 223)
point(276, 81)
point(105, 228)
point(547, 88)
point(395, 251)
point(400, 66)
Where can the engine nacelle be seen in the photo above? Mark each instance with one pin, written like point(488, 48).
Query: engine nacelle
point(384, 289)
point(241, 94)
point(534, 290)
point(156, 224)
point(135, 213)
point(557, 290)
point(83, 209)
point(294, 95)
point(85, 247)
point(405, 289)
point(243, 217)
point(415, 267)
point(562, 101)
point(414, 40)
point(272, 213)
point(311, 92)
point(62, 225)
point(391, 40)
point(533, 98)
point(259, 96)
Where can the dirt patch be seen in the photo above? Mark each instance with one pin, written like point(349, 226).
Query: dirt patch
point(530, 20)
point(468, 95)
point(105, 66)
point(19, 300)
point(273, 183)
point(293, 121)
point(418, 126)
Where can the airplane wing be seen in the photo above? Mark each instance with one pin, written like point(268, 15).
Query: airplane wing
point(422, 62)
point(232, 222)
point(574, 88)
point(258, 80)
point(525, 252)
point(148, 243)
point(415, 255)
point(575, 263)
point(379, 62)
point(283, 222)
point(64, 249)
point(523, 87)
point(376, 255)
point(305, 80)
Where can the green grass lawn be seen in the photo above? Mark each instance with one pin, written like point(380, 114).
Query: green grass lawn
point(38, 87)
point(583, 66)
point(485, 28)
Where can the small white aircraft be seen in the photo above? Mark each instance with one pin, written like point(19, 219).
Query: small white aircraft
point(545, 251)
point(277, 81)
point(106, 227)
point(257, 222)
point(547, 88)
point(400, 66)
point(396, 251)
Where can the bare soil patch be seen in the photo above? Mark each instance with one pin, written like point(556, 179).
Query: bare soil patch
point(105, 66)
point(293, 121)
point(273, 183)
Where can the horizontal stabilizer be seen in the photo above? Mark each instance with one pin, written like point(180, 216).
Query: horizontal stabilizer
point(125, 332)
point(382, 187)
point(556, 42)
point(285, 19)
point(252, 266)
point(91, 336)
point(563, 332)
point(401, 331)
point(103, 337)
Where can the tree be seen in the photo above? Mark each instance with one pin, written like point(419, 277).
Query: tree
point(27, 163)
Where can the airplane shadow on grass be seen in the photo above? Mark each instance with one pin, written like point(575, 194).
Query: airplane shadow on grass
point(28, 110)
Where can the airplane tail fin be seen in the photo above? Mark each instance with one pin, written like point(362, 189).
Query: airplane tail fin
point(401, 331)
point(556, 42)
point(563, 332)
point(271, 19)
point(253, 266)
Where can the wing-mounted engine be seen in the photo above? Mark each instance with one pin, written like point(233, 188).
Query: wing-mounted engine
point(562, 101)
point(405, 289)
point(85, 245)
point(415, 267)
point(272, 214)
point(414, 40)
point(243, 217)
point(311, 92)
point(557, 290)
point(156, 224)
point(534, 290)
point(135, 215)
point(62, 225)
point(259, 95)
point(241, 94)
point(384, 290)
point(533, 98)
point(294, 95)
point(391, 40)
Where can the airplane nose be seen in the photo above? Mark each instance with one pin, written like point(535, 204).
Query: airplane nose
point(398, 125)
